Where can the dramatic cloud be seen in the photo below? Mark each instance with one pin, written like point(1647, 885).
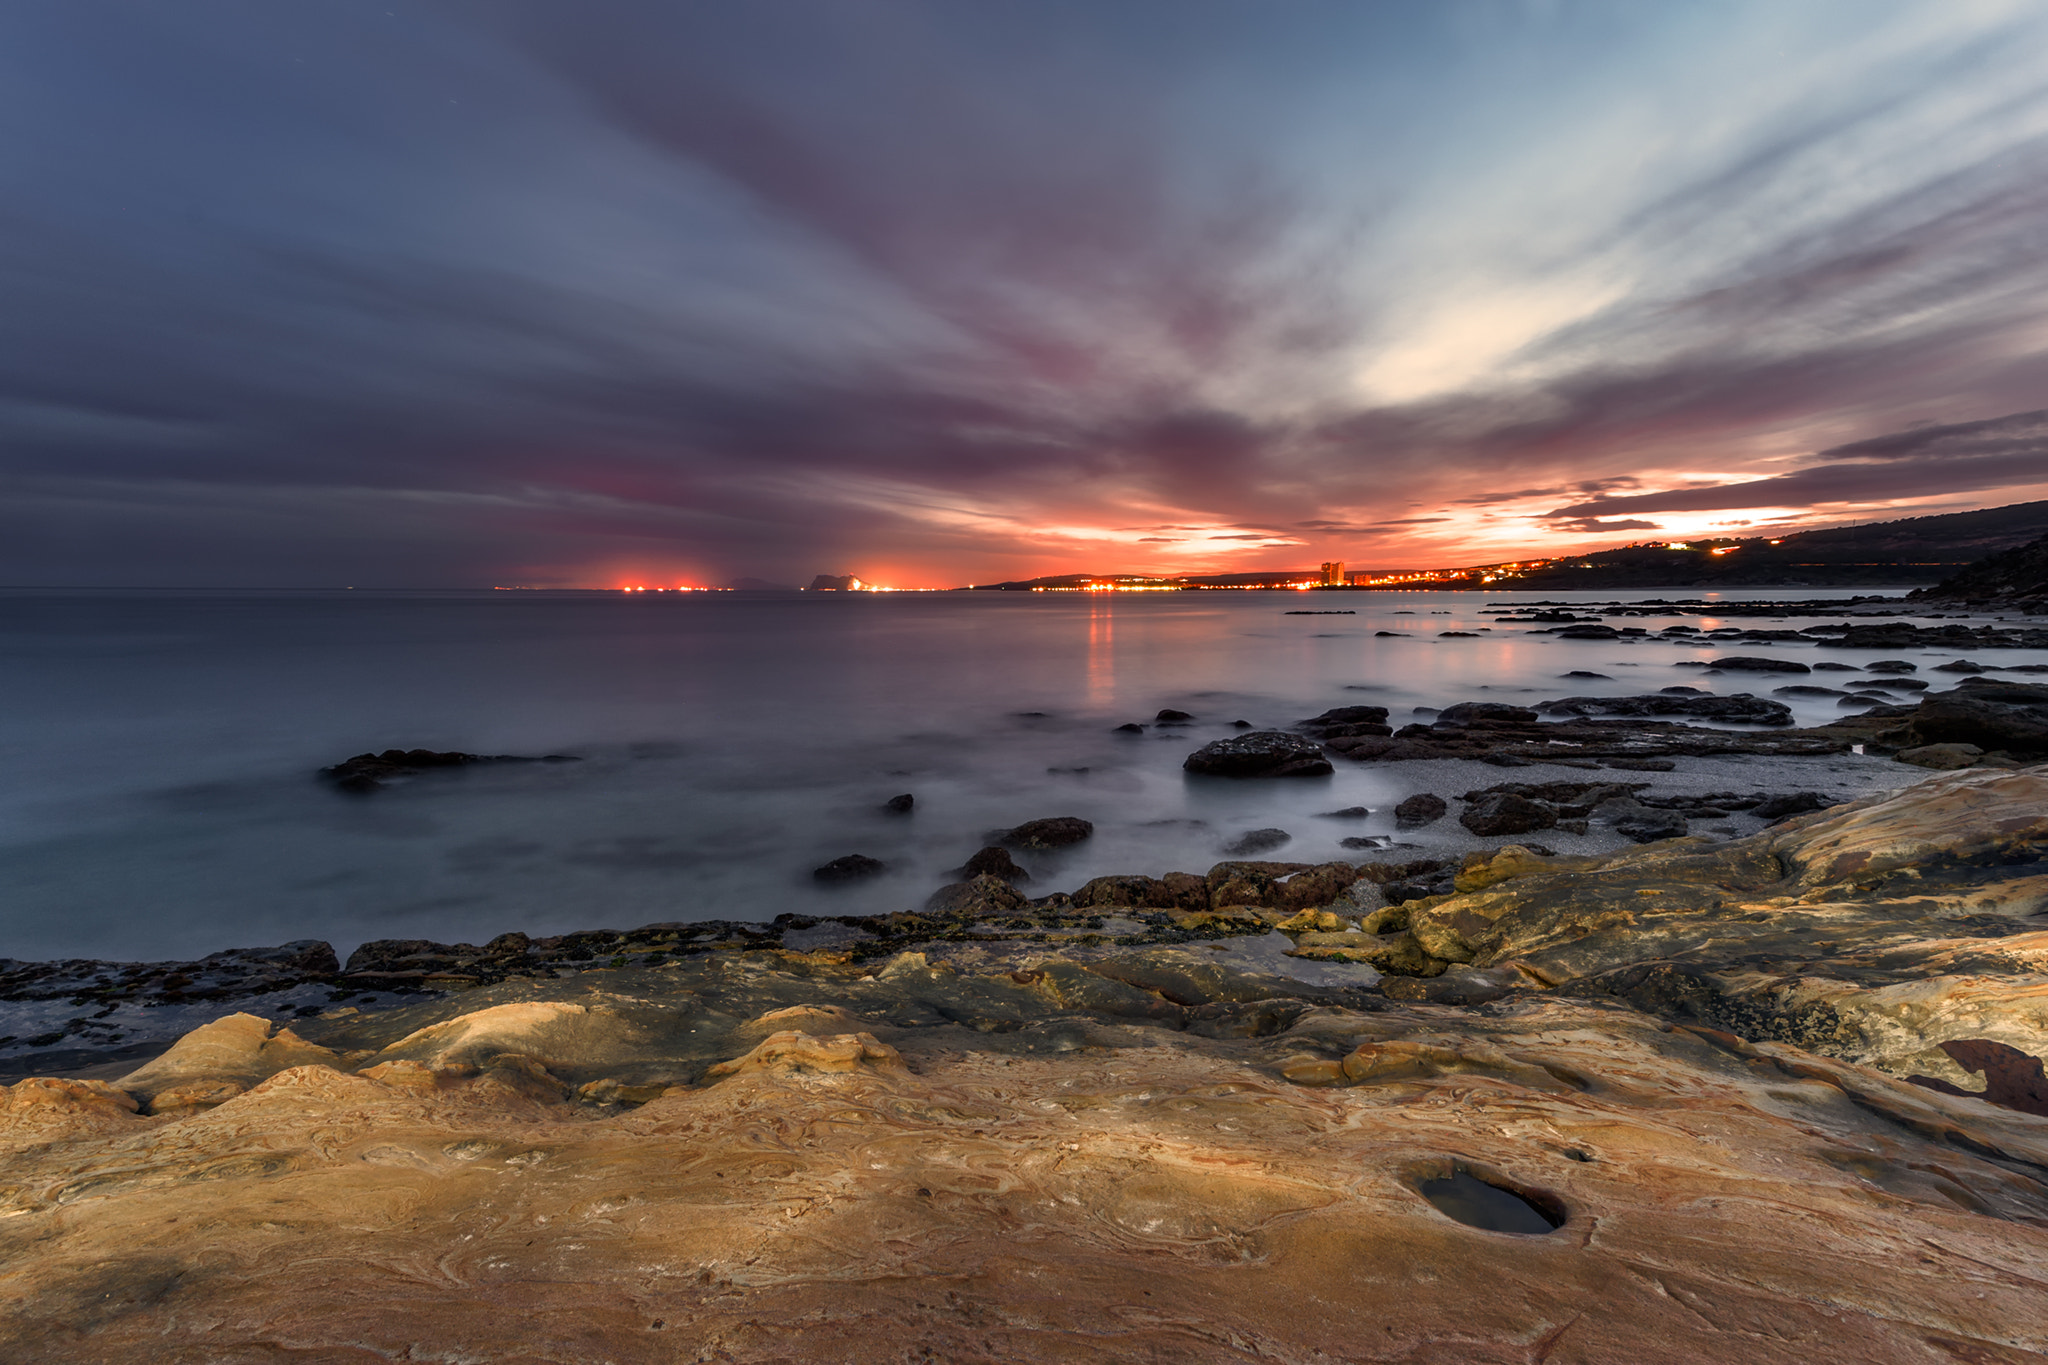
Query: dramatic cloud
point(520, 293)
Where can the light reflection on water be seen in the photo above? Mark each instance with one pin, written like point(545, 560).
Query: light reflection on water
point(158, 748)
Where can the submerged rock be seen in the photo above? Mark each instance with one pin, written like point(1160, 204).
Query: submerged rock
point(372, 772)
point(1055, 832)
point(1423, 808)
point(850, 867)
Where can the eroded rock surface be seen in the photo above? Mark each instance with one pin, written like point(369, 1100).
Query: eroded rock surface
point(1776, 1099)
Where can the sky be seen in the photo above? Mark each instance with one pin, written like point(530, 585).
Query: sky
point(393, 294)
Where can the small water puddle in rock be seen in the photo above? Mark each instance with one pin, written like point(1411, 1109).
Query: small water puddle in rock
point(1469, 1200)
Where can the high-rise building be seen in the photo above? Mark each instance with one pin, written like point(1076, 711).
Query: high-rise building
point(1333, 573)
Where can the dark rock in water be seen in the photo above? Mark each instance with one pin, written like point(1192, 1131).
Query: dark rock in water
point(1807, 690)
point(1054, 832)
point(1639, 765)
point(1129, 728)
point(1651, 826)
point(994, 861)
point(1830, 666)
point(1240, 725)
point(1743, 663)
point(1169, 716)
point(369, 772)
point(1741, 707)
point(1348, 813)
point(1585, 673)
point(1485, 713)
point(1992, 715)
point(1423, 808)
point(1776, 808)
point(852, 867)
point(1681, 690)
point(1175, 891)
point(1506, 813)
point(984, 895)
point(900, 805)
point(1960, 666)
point(1260, 753)
point(1456, 635)
point(1257, 841)
point(1900, 684)
point(1384, 634)
point(1346, 721)
point(1891, 666)
point(1588, 633)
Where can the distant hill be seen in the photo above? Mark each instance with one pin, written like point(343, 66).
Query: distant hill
point(1912, 550)
point(2016, 579)
point(1880, 554)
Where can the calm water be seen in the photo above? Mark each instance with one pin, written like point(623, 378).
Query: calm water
point(158, 749)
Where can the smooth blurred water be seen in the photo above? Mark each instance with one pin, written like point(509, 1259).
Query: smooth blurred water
point(157, 751)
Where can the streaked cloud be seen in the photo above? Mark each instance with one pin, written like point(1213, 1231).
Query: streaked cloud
point(478, 294)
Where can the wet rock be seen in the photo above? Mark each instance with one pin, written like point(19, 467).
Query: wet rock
point(1348, 813)
point(900, 805)
point(1134, 892)
point(1891, 666)
point(1959, 666)
point(1346, 721)
point(372, 772)
point(1788, 805)
point(1742, 707)
point(1169, 716)
point(849, 867)
point(978, 896)
point(1941, 757)
point(1483, 713)
point(1992, 715)
point(994, 861)
point(1057, 831)
point(1423, 808)
point(1743, 663)
point(1506, 813)
point(1129, 728)
point(1258, 841)
point(1260, 753)
point(1588, 633)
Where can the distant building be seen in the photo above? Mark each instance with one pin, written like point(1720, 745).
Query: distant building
point(1356, 576)
point(1333, 573)
point(826, 582)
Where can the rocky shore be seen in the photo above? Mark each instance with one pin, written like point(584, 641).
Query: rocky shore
point(1770, 1098)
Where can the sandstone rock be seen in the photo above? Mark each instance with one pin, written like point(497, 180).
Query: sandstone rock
point(238, 1048)
point(792, 1053)
point(1260, 753)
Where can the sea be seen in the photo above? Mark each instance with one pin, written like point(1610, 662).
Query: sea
point(160, 751)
